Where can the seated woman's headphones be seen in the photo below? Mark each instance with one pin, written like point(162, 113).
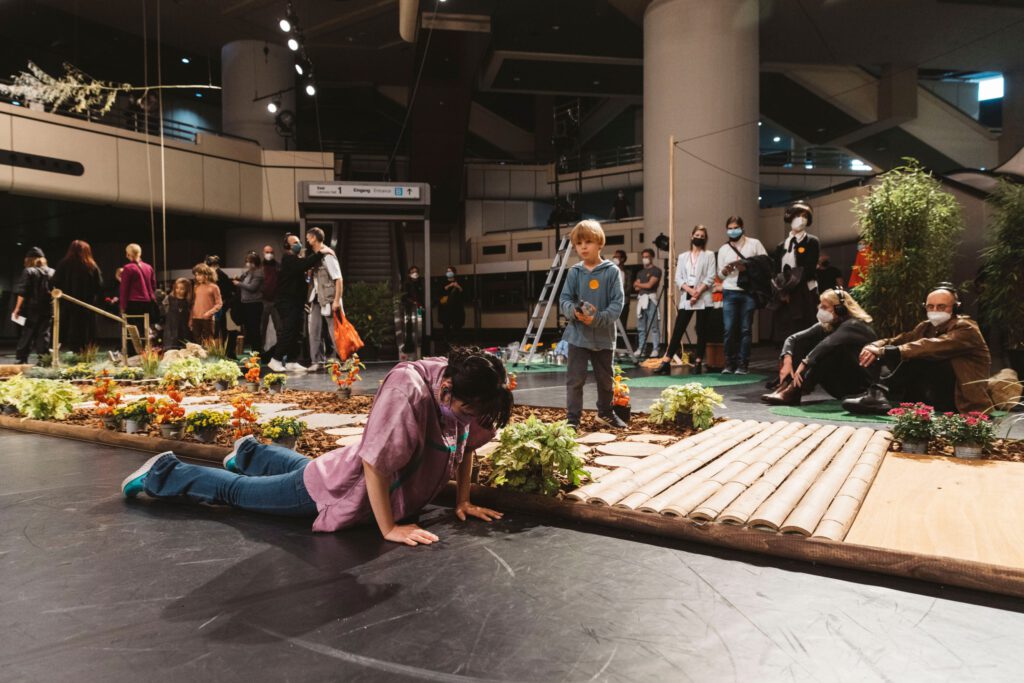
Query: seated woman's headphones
point(951, 288)
point(840, 308)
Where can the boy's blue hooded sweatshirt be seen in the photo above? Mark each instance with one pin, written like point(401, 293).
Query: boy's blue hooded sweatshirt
point(601, 287)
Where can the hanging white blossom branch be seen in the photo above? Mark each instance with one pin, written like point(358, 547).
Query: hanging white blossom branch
point(76, 88)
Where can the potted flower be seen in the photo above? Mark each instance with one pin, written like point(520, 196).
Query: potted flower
point(243, 419)
point(688, 405)
point(203, 424)
point(913, 426)
point(223, 373)
point(107, 398)
point(134, 416)
point(11, 391)
point(274, 382)
point(188, 370)
point(620, 396)
point(170, 416)
point(536, 457)
point(347, 374)
point(284, 431)
point(252, 373)
point(968, 433)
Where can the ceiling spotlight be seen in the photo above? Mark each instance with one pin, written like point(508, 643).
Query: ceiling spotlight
point(776, 139)
point(293, 45)
point(310, 89)
point(273, 106)
point(303, 67)
point(186, 60)
point(199, 95)
point(285, 25)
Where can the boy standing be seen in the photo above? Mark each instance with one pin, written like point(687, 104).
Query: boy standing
point(591, 301)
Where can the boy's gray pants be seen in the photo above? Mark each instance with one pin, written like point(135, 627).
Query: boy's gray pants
point(576, 377)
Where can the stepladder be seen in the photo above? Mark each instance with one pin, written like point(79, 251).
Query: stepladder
point(542, 309)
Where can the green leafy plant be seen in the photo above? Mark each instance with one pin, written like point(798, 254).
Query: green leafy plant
point(78, 371)
point(693, 399)
point(279, 427)
point(965, 429)
point(128, 373)
point(12, 390)
point(46, 399)
point(216, 347)
point(536, 457)
point(89, 353)
point(150, 361)
point(189, 369)
point(370, 307)
point(913, 228)
point(202, 419)
point(274, 378)
point(1001, 295)
point(913, 422)
point(222, 371)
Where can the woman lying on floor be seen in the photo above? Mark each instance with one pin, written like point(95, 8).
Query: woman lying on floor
point(826, 353)
point(427, 420)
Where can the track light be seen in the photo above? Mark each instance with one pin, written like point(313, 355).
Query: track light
point(285, 25)
point(293, 44)
point(273, 106)
point(310, 89)
point(303, 67)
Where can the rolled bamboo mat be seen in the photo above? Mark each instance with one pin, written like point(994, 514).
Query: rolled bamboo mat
point(774, 510)
point(677, 457)
point(623, 473)
point(734, 487)
point(651, 497)
point(677, 500)
point(708, 481)
point(740, 510)
point(838, 519)
point(805, 516)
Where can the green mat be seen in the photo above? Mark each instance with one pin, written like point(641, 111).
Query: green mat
point(825, 410)
point(710, 379)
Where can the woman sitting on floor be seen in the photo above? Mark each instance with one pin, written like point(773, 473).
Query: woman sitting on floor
point(427, 420)
point(825, 353)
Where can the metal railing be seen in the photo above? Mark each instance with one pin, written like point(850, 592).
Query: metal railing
point(824, 158)
point(128, 330)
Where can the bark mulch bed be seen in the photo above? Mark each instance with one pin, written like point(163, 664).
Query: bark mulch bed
point(1009, 450)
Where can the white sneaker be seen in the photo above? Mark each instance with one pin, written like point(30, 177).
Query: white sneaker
point(654, 354)
point(294, 367)
point(276, 365)
point(315, 367)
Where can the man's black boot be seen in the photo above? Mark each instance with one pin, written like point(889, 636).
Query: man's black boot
point(874, 402)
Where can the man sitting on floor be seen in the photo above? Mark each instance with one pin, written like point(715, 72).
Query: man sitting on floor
point(943, 362)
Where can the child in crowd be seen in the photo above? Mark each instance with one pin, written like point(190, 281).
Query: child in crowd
point(177, 313)
point(591, 301)
point(206, 302)
point(427, 419)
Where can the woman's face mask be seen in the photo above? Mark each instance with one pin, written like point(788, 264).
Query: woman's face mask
point(798, 224)
point(699, 241)
point(414, 276)
point(450, 275)
point(268, 256)
point(734, 233)
point(296, 248)
point(825, 317)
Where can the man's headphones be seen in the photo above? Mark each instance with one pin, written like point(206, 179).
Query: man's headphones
point(951, 288)
point(840, 308)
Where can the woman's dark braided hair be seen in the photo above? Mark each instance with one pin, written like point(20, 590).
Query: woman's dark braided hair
point(479, 379)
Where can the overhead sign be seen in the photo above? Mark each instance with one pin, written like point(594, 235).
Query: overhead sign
point(355, 191)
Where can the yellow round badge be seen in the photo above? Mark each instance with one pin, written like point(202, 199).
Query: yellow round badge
point(595, 283)
point(801, 249)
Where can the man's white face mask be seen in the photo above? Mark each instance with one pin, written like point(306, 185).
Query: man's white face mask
point(647, 261)
point(938, 318)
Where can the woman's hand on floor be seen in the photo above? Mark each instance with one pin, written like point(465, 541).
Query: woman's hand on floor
point(467, 508)
point(410, 534)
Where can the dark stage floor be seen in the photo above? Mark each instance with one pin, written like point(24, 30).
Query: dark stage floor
point(100, 589)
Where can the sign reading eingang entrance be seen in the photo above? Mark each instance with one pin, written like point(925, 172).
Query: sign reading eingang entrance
point(356, 191)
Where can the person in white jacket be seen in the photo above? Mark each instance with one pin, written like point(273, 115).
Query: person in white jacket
point(695, 275)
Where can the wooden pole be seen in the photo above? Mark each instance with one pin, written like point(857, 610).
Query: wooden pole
point(55, 361)
point(670, 282)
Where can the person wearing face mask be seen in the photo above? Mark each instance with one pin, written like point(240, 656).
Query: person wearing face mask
point(451, 309)
point(826, 353)
point(738, 304)
point(860, 264)
point(270, 274)
point(324, 301)
point(250, 287)
point(695, 276)
point(412, 300)
point(427, 420)
point(648, 320)
point(290, 302)
point(619, 259)
point(796, 267)
point(943, 362)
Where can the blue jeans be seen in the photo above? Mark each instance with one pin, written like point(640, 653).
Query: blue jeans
point(271, 481)
point(738, 310)
point(648, 325)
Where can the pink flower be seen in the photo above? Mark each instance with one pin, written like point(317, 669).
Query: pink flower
point(906, 405)
point(922, 413)
point(949, 414)
point(983, 416)
point(971, 421)
point(897, 412)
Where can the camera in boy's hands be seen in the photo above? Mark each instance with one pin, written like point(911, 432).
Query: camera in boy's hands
point(585, 311)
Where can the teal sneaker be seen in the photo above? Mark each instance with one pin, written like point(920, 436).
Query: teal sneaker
point(134, 483)
point(229, 459)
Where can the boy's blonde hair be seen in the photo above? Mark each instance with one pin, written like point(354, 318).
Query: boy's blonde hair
point(587, 230)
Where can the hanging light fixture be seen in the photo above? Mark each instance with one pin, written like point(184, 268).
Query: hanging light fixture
point(302, 66)
point(293, 44)
point(273, 106)
point(310, 88)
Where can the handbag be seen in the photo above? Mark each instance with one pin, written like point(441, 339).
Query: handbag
point(346, 339)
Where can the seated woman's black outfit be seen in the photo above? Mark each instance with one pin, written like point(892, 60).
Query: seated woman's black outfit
point(831, 360)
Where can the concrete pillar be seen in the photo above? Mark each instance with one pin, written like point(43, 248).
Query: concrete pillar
point(251, 69)
point(1012, 138)
point(701, 81)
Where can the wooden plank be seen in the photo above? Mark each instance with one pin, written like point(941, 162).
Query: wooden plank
point(963, 509)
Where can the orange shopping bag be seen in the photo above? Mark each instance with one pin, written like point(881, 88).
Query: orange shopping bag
point(346, 339)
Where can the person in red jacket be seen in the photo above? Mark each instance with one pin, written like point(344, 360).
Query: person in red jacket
point(138, 286)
